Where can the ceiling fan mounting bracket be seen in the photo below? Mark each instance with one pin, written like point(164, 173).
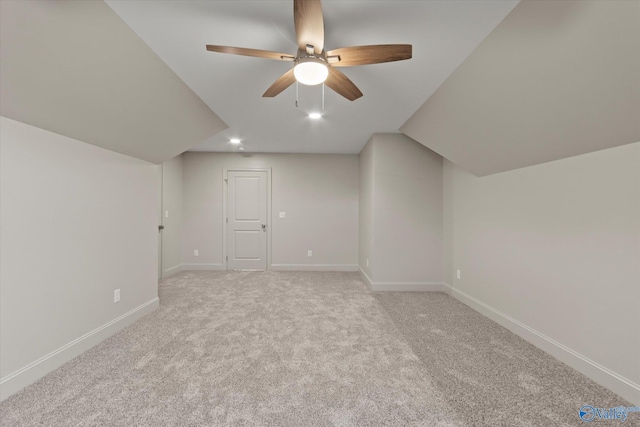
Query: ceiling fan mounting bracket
point(302, 55)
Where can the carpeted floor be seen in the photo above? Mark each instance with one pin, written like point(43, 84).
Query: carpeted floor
point(306, 349)
point(488, 375)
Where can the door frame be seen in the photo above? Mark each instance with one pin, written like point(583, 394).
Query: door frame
point(225, 193)
point(161, 223)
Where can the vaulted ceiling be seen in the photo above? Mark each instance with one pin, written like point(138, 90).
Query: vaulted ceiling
point(75, 68)
point(553, 80)
point(493, 85)
point(443, 34)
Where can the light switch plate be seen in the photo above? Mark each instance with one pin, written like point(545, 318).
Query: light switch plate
point(283, 214)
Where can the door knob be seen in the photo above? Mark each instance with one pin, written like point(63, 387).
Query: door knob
point(264, 227)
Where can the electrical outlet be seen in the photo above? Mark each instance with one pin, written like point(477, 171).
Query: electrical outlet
point(166, 214)
point(367, 262)
point(309, 253)
point(116, 295)
point(458, 274)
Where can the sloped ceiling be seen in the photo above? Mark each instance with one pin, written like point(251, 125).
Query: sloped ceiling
point(75, 68)
point(443, 33)
point(554, 79)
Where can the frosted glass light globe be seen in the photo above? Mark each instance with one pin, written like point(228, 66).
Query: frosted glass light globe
point(310, 71)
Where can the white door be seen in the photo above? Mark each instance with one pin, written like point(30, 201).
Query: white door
point(247, 220)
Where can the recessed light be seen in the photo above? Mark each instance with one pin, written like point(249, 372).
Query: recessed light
point(234, 141)
point(315, 115)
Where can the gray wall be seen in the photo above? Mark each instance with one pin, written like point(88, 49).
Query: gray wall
point(319, 194)
point(172, 216)
point(78, 222)
point(556, 247)
point(403, 179)
point(366, 212)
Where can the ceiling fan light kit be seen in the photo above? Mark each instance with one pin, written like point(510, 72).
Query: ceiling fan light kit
point(312, 64)
point(310, 70)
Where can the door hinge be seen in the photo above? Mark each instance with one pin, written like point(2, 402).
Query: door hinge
point(227, 258)
point(226, 180)
point(227, 220)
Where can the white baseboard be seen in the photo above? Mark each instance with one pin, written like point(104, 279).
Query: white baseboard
point(598, 373)
point(210, 267)
point(313, 267)
point(408, 287)
point(366, 277)
point(32, 372)
point(173, 270)
point(403, 286)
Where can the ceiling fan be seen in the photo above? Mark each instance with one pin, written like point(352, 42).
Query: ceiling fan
point(312, 63)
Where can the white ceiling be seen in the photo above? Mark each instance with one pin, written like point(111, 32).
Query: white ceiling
point(443, 34)
point(554, 80)
point(75, 68)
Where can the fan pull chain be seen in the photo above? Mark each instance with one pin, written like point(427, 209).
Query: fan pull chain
point(322, 96)
point(296, 94)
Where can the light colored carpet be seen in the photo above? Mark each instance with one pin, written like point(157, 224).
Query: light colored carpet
point(244, 348)
point(306, 349)
point(488, 375)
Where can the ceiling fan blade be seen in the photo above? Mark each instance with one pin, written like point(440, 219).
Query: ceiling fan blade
point(374, 54)
point(309, 22)
point(285, 80)
point(250, 52)
point(341, 84)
